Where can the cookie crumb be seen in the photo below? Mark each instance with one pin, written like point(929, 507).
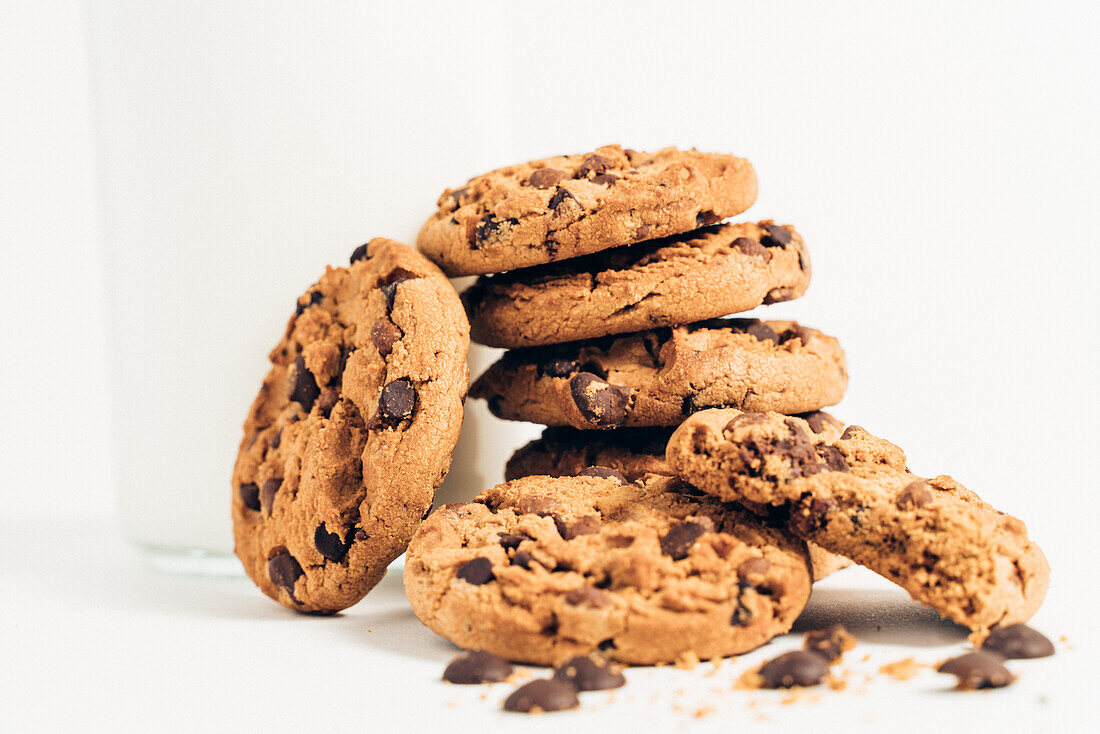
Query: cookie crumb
point(703, 712)
point(687, 661)
point(750, 680)
point(901, 669)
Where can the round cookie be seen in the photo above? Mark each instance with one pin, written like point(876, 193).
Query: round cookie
point(352, 430)
point(540, 570)
point(572, 205)
point(657, 377)
point(634, 453)
point(855, 496)
point(711, 272)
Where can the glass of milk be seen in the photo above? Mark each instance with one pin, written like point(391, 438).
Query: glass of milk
point(241, 147)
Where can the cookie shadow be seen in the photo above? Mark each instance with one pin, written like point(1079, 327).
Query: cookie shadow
point(879, 616)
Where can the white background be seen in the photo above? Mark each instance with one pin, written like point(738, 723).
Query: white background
point(941, 160)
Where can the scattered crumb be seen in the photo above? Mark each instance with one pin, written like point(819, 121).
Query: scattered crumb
point(837, 684)
point(1043, 700)
point(798, 695)
point(750, 680)
point(705, 711)
point(484, 696)
point(717, 663)
point(901, 669)
point(866, 657)
point(1063, 638)
point(687, 661)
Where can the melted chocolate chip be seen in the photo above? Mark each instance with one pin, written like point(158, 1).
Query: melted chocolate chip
point(816, 421)
point(603, 472)
point(396, 402)
point(677, 542)
point(811, 514)
point(511, 540)
point(522, 559)
point(331, 545)
point(359, 253)
point(605, 179)
point(586, 674)
point(330, 396)
point(477, 572)
point(707, 218)
point(796, 332)
point(277, 439)
point(267, 494)
point(589, 596)
point(542, 695)
point(978, 670)
point(1018, 641)
point(587, 525)
point(303, 386)
point(850, 432)
point(557, 368)
point(599, 402)
point(453, 199)
point(477, 667)
point(916, 494)
point(776, 236)
point(490, 228)
point(284, 570)
point(593, 164)
point(563, 199)
point(753, 567)
point(795, 668)
point(544, 178)
point(315, 297)
point(250, 495)
point(750, 247)
point(384, 334)
point(834, 460)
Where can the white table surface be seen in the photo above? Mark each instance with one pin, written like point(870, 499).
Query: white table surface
point(92, 638)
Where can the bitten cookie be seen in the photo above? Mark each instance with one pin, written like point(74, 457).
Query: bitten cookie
point(352, 430)
point(539, 570)
point(856, 497)
point(634, 453)
point(711, 272)
point(655, 378)
point(563, 207)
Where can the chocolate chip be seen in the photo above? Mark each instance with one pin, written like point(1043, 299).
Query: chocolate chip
point(599, 403)
point(795, 668)
point(587, 525)
point(603, 472)
point(396, 402)
point(753, 567)
point(811, 514)
point(746, 419)
point(742, 615)
point(453, 199)
point(250, 495)
point(477, 667)
point(384, 334)
point(707, 218)
point(303, 386)
point(776, 236)
point(315, 297)
point(522, 559)
point(528, 505)
point(916, 494)
point(490, 228)
point(779, 295)
point(511, 540)
point(586, 674)
point(330, 396)
point(563, 199)
point(284, 570)
point(750, 247)
point(330, 545)
point(557, 368)
point(593, 164)
point(678, 540)
point(815, 419)
point(978, 670)
point(267, 494)
point(831, 642)
point(834, 460)
point(642, 232)
point(277, 439)
point(753, 327)
point(605, 179)
point(496, 405)
point(359, 253)
point(589, 596)
point(850, 432)
point(544, 178)
point(542, 695)
point(796, 332)
point(1018, 641)
point(477, 572)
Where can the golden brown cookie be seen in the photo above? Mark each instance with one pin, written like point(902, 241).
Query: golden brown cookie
point(856, 497)
point(539, 570)
point(634, 453)
point(707, 273)
point(352, 430)
point(657, 377)
point(567, 206)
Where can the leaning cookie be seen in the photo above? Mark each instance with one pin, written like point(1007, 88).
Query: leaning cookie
point(634, 453)
point(856, 497)
point(572, 205)
point(352, 430)
point(657, 377)
point(539, 570)
point(711, 272)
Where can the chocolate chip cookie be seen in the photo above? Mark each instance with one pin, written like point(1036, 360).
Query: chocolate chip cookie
point(572, 205)
point(633, 453)
point(540, 570)
point(711, 272)
point(856, 497)
point(657, 377)
point(352, 430)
